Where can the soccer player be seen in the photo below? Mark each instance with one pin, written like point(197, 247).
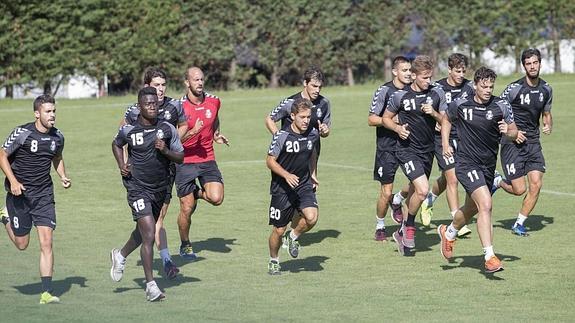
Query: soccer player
point(153, 145)
point(201, 109)
point(386, 163)
point(418, 109)
point(25, 159)
point(480, 122)
point(291, 186)
point(455, 86)
point(531, 99)
point(169, 110)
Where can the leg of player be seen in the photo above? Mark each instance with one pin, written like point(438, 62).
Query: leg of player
point(516, 186)
point(453, 197)
point(274, 242)
point(46, 264)
point(161, 239)
point(306, 223)
point(437, 188)
point(5, 219)
point(147, 228)
point(213, 193)
point(187, 206)
point(396, 204)
point(482, 198)
point(385, 195)
point(448, 233)
point(535, 178)
point(418, 192)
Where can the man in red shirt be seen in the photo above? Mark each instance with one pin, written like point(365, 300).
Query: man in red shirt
point(201, 110)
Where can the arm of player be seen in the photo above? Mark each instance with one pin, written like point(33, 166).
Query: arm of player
point(275, 167)
point(60, 168)
point(508, 130)
point(271, 125)
point(445, 130)
point(374, 120)
point(313, 168)
point(182, 130)
point(388, 122)
point(175, 156)
point(218, 137)
point(16, 187)
point(119, 156)
point(323, 129)
point(547, 122)
point(194, 131)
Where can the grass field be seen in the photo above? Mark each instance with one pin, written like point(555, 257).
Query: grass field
point(342, 273)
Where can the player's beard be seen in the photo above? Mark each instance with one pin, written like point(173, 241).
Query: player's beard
point(533, 77)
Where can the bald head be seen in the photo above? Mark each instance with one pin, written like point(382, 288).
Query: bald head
point(195, 81)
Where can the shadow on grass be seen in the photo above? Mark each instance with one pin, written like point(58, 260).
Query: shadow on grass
point(214, 244)
point(477, 263)
point(310, 238)
point(313, 263)
point(533, 223)
point(60, 286)
point(163, 284)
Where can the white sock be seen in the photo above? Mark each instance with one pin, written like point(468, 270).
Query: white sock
point(453, 213)
point(380, 224)
point(451, 232)
point(151, 283)
point(120, 258)
point(488, 252)
point(431, 198)
point(276, 259)
point(398, 198)
point(165, 255)
point(520, 219)
point(497, 181)
point(292, 235)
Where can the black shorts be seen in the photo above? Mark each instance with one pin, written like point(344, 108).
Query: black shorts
point(25, 211)
point(283, 206)
point(186, 175)
point(385, 166)
point(414, 164)
point(519, 159)
point(472, 175)
point(144, 202)
point(443, 162)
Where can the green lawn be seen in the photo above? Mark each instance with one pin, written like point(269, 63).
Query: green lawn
point(342, 273)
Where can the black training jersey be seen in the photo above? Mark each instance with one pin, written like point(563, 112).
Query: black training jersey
point(407, 104)
point(170, 110)
point(150, 168)
point(386, 139)
point(528, 104)
point(463, 91)
point(478, 128)
point(320, 111)
point(293, 152)
point(30, 153)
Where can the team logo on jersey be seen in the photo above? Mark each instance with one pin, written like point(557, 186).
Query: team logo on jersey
point(309, 145)
point(540, 97)
point(464, 95)
point(160, 134)
point(208, 113)
point(319, 113)
point(53, 146)
point(167, 115)
point(489, 115)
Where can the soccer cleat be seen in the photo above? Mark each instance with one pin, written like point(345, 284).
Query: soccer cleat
point(293, 247)
point(4, 218)
point(426, 212)
point(496, 181)
point(170, 270)
point(409, 237)
point(47, 298)
point(493, 265)
point(399, 242)
point(117, 270)
point(380, 235)
point(446, 245)
point(463, 231)
point(153, 292)
point(396, 213)
point(187, 253)
point(274, 268)
point(519, 230)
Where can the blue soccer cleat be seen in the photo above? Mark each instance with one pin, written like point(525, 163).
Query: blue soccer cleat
point(519, 230)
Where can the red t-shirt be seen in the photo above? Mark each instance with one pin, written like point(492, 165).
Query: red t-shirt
point(200, 147)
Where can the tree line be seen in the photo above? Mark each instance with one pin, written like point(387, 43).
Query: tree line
point(259, 43)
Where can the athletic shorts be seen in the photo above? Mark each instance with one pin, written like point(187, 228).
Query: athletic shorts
point(415, 165)
point(472, 175)
point(283, 206)
point(385, 166)
point(443, 162)
point(144, 203)
point(519, 159)
point(25, 211)
point(186, 175)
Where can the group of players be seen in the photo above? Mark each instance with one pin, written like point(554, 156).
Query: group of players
point(462, 125)
point(163, 140)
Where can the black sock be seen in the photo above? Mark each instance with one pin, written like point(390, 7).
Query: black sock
point(185, 243)
point(46, 284)
point(410, 220)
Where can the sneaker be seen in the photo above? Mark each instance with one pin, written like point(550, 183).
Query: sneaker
point(293, 247)
point(380, 235)
point(396, 213)
point(399, 242)
point(493, 265)
point(117, 270)
point(446, 245)
point(496, 181)
point(409, 237)
point(187, 253)
point(426, 213)
point(463, 231)
point(519, 230)
point(171, 270)
point(47, 298)
point(153, 292)
point(274, 268)
point(4, 218)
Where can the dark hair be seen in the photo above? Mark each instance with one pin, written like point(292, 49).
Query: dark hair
point(421, 63)
point(301, 104)
point(456, 60)
point(44, 98)
point(484, 73)
point(313, 73)
point(148, 90)
point(152, 72)
point(398, 60)
point(528, 53)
